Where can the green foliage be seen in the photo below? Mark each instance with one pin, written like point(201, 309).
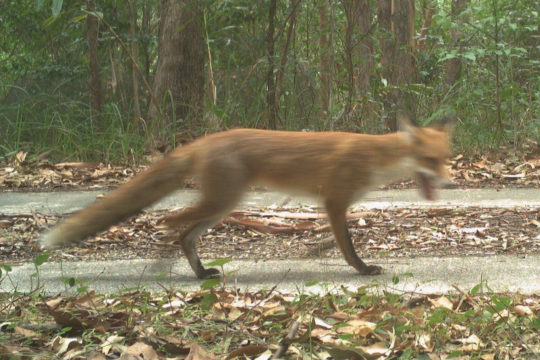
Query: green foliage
point(44, 62)
point(41, 258)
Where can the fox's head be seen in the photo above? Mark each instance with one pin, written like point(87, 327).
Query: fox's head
point(430, 148)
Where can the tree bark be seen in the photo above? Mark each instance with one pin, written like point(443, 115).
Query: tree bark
point(384, 16)
point(453, 66)
point(399, 69)
point(134, 58)
point(270, 78)
point(92, 32)
point(404, 64)
point(326, 60)
point(179, 77)
point(364, 68)
point(358, 49)
point(283, 62)
point(427, 19)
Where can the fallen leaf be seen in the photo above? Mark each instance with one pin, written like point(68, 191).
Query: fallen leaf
point(424, 342)
point(247, 351)
point(442, 302)
point(27, 333)
point(197, 353)
point(378, 348)
point(107, 345)
point(139, 351)
point(472, 343)
point(357, 327)
point(523, 310)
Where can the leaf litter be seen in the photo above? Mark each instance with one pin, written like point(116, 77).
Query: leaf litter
point(365, 323)
point(499, 170)
point(262, 234)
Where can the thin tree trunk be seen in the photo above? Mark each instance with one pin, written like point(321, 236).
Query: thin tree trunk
point(145, 29)
point(214, 123)
point(325, 53)
point(351, 14)
point(270, 79)
point(92, 32)
point(359, 47)
point(284, 56)
point(179, 77)
point(384, 16)
point(404, 64)
point(398, 60)
point(453, 66)
point(134, 58)
point(365, 47)
point(427, 19)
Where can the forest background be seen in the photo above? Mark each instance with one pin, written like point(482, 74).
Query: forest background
point(111, 80)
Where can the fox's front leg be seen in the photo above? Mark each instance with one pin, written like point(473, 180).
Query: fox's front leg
point(337, 214)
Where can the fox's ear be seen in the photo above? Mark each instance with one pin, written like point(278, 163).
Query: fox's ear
point(407, 128)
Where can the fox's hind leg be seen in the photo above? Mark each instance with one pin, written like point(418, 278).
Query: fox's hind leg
point(221, 189)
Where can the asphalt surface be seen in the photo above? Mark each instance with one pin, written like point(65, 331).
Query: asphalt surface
point(57, 203)
point(427, 275)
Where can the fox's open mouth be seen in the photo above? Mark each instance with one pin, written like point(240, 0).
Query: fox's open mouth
point(426, 186)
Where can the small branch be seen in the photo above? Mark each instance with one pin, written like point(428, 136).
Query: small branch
point(287, 340)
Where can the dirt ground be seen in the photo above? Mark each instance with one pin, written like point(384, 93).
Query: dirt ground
point(301, 233)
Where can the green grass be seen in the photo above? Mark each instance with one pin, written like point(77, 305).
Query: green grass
point(69, 132)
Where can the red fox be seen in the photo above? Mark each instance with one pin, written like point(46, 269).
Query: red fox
point(335, 166)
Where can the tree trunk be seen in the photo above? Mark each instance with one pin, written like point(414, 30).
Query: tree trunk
point(384, 16)
point(179, 77)
point(351, 14)
point(396, 18)
point(92, 32)
point(365, 47)
point(270, 78)
point(134, 59)
point(214, 122)
point(404, 65)
point(326, 60)
point(427, 19)
point(283, 62)
point(358, 49)
point(453, 66)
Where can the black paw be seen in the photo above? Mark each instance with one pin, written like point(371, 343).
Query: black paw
point(373, 270)
point(209, 273)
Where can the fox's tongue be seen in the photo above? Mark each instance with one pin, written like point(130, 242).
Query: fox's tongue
point(426, 187)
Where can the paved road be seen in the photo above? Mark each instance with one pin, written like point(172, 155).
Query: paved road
point(502, 273)
point(66, 202)
point(427, 275)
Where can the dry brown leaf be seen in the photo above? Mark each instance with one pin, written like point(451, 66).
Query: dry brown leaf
point(109, 342)
point(523, 310)
point(442, 302)
point(61, 345)
point(357, 327)
point(424, 342)
point(247, 351)
point(472, 343)
point(323, 335)
point(376, 349)
point(15, 352)
point(27, 333)
point(139, 351)
point(197, 353)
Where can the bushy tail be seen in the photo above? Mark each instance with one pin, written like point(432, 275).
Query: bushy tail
point(146, 188)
